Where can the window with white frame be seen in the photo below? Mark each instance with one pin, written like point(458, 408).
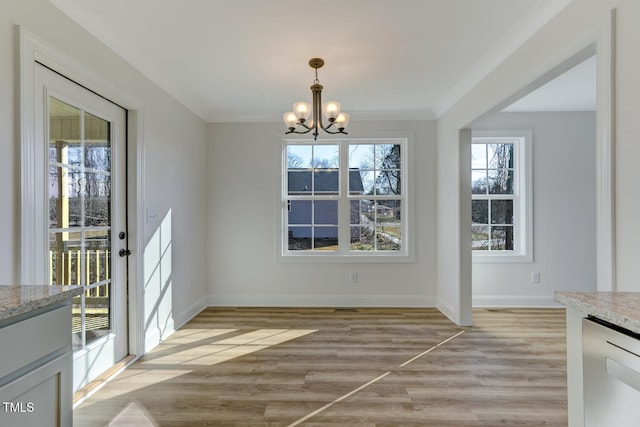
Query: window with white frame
point(344, 198)
point(500, 193)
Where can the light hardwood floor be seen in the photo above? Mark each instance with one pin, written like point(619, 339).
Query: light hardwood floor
point(370, 367)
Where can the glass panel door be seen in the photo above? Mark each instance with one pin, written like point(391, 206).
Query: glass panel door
point(85, 146)
point(80, 215)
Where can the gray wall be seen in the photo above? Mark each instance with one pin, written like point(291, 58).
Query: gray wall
point(245, 173)
point(174, 159)
point(564, 212)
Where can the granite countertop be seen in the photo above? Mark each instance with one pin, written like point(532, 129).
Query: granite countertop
point(620, 308)
point(16, 300)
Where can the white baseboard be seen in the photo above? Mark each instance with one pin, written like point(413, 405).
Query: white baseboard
point(514, 301)
point(390, 301)
point(157, 334)
point(182, 318)
point(446, 309)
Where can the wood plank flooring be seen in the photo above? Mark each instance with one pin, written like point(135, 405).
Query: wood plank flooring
point(326, 367)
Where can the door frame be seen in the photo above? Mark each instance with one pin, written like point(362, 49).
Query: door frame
point(33, 228)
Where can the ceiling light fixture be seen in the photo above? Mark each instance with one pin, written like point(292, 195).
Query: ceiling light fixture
point(299, 117)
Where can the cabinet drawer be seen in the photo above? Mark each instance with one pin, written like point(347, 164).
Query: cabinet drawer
point(34, 338)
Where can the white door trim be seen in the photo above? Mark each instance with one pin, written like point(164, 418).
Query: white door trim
point(32, 227)
point(605, 164)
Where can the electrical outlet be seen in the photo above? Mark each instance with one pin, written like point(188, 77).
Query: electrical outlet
point(535, 277)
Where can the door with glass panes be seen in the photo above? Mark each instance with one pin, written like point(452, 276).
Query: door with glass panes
point(84, 137)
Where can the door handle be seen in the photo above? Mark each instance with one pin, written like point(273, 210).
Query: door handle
point(124, 252)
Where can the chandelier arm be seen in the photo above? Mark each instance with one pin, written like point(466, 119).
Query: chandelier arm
point(326, 128)
point(299, 131)
point(335, 132)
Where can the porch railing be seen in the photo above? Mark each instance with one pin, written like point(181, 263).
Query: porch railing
point(68, 267)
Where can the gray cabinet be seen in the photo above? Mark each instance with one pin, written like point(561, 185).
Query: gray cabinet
point(36, 369)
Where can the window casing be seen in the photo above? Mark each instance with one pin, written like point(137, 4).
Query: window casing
point(345, 199)
point(501, 196)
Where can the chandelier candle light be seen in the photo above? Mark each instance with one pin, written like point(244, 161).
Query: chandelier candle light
point(299, 117)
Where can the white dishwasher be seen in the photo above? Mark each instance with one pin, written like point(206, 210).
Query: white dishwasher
point(611, 375)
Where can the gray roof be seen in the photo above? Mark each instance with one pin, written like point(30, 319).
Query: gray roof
point(325, 180)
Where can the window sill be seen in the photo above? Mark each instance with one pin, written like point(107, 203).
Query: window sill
point(486, 258)
point(320, 258)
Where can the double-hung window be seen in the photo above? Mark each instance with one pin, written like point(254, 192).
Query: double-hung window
point(344, 198)
point(500, 192)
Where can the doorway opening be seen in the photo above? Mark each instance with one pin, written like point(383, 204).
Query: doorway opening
point(557, 220)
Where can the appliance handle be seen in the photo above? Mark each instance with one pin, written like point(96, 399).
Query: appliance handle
point(623, 373)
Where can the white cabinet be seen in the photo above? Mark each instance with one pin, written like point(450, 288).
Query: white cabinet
point(36, 369)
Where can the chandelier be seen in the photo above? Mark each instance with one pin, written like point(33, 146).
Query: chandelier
point(298, 120)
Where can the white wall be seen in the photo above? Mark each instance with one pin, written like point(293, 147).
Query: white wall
point(571, 31)
point(244, 194)
point(174, 160)
point(564, 212)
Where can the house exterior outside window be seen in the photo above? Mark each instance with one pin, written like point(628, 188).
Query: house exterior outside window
point(501, 196)
point(344, 199)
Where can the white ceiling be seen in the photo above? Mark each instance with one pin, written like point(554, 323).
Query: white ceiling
point(247, 60)
point(574, 90)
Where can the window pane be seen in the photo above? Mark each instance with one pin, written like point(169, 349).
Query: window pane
point(500, 156)
point(502, 238)
point(326, 181)
point(362, 239)
point(300, 212)
point(325, 238)
point(326, 212)
point(77, 185)
point(361, 156)
point(362, 211)
point(480, 238)
point(388, 182)
point(387, 156)
point(97, 319)
point(388, 211)
point(355, 212)
point(368, 182)
point(57, 211)
point(502, 212)
point(97, 255)
point(479, 182)
point(326, 156)
point(95, 129)
point(478, 156)
point(299, 182)
point(388, 238)
point(299, 238)
point(97, 201)
point(480, 211)
point(65, 258)
point(64, 122)
point(299, 156)
point(356, 185)
point(97, 157)
point(501, 181)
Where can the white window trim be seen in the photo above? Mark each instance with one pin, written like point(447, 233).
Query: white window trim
point(524, 188)
point(406, 255)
